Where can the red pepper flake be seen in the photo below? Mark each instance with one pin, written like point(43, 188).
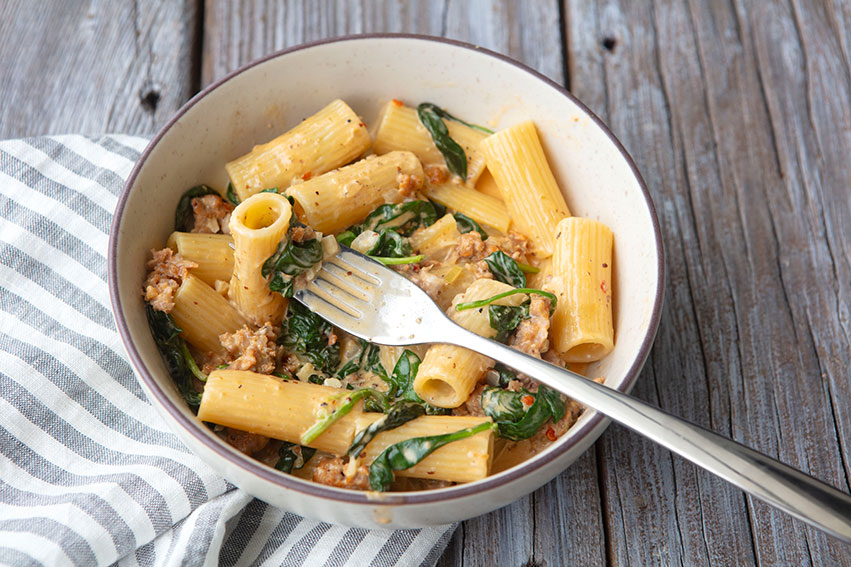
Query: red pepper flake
point(604, 287)
point(605, 265)
point(396, 102)
point(362, 125)
point(307, 175)
point(527, 400)
point(551, 434)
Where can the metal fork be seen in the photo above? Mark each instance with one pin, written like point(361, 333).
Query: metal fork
point(371, 301)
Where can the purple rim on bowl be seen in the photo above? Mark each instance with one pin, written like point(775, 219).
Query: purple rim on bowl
point(194, 427)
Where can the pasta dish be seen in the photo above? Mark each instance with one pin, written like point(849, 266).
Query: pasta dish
point(474, 217)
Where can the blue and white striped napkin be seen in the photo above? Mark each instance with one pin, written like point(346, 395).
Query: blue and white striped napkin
point(89, 475)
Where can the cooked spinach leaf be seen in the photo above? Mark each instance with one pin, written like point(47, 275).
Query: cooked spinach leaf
point(505, 269)
point(184, 219)
point(308, 334)
point(404, 218)
point(400, 413)
point(443, 114)
point(405, 454)
point(390, 244)
point(491, 299)
point(505, 318)
point(366, 359)
point(453, 153)
point(505, 375)
point(517, 420)
point(466, 224)
point(289, 260)
point(176, 355)
point(292, 456)
point(231, 195)
point(401, 380)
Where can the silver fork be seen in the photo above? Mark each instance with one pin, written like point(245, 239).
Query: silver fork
point(371, 301)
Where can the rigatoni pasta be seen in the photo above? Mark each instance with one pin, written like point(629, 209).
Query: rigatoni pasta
point(582, 327)
point(257, 225)
point(332, 137)
point(331, 202)
point(203, 315)
point(212, 252)
point(516, 159)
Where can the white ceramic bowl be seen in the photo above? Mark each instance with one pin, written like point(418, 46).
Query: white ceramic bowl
point(267, 97)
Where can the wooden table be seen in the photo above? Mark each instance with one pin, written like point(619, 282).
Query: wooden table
point(738, 115)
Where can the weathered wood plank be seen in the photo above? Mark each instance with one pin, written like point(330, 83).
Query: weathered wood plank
point(236, 33)
point(103, 67)
point(738, 118)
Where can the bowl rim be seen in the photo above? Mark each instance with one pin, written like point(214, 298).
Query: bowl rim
point(192, 426)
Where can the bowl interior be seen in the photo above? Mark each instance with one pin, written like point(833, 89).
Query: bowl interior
point(263, 100)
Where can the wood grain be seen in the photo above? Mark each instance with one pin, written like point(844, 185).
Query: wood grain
point(81, 67)
point(739, 137)
point(238, 32)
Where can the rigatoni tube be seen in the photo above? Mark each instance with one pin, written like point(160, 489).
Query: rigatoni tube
point(449, 373)
point(582, 329)
point(332, 137)
point(279, 409)
point(340, 198)
point(482, 208)
point(465, 460)
point(203, 314)
point(516, 159)
point(257, 225)
point(212, 252)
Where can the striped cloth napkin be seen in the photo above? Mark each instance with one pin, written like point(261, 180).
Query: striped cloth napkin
point(89, 474)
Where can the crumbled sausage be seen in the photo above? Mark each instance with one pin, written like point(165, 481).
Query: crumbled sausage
point(212, 214)
point(331, 471)
point(531, 334)
point(166, 272)
point(248, 443)
point(408, 184)
point(515, 245)
point(302, 233)
point(252, 350)
point(436, 174)
point(473, 405)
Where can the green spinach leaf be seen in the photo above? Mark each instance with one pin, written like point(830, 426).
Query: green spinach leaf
point(516, 420)
point(401, 380)
point(184, 219)
point(292, 456)
point(453, 153)
point(231, 195)
point(405, 454)
point(505, 375)
point(505, 318)
point(289, 260)
point(466, 224)
point(505, 269)
point(176, 355)
point(308, 334)
point(400, 413)
point(491, 299)
point(404, 218)
point(443, 114)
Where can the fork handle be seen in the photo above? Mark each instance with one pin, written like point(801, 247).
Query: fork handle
point(780, 485)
